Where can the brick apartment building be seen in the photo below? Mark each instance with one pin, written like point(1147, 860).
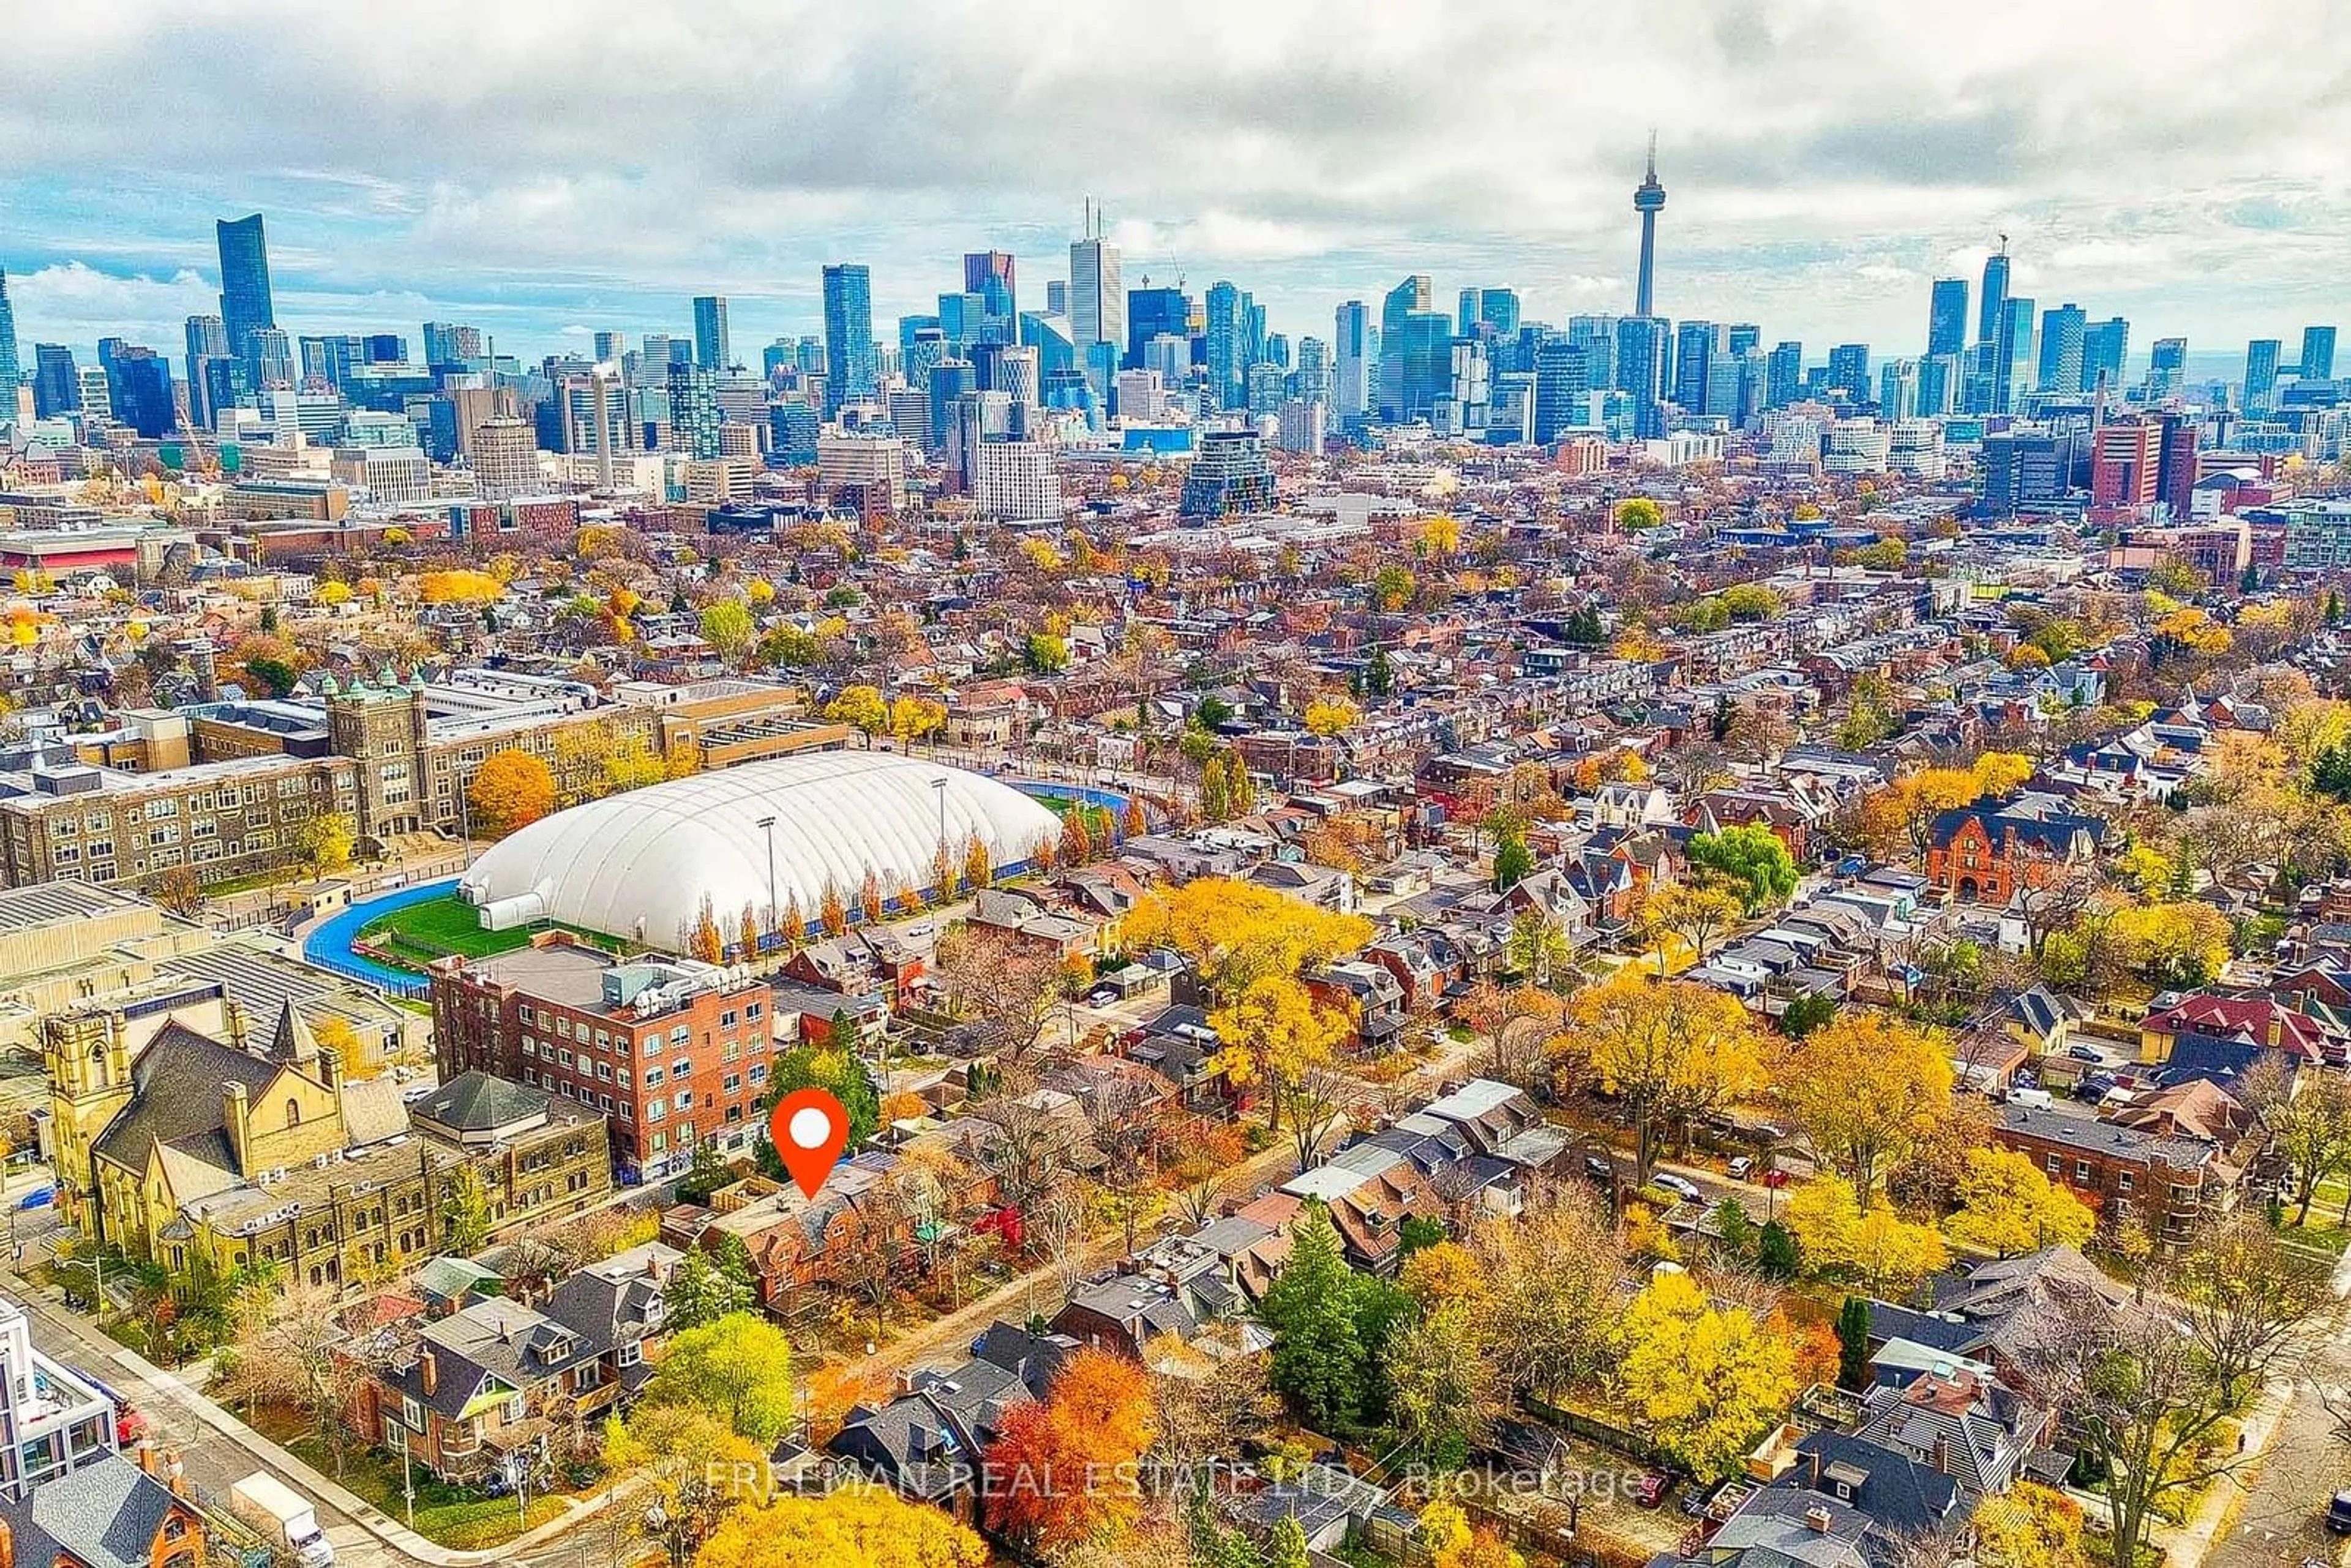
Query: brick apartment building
point(2171, 1182)
point(672, 1051)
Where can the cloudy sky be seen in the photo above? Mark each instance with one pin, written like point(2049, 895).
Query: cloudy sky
point(544, 167)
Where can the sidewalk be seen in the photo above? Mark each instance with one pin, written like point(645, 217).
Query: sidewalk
point(270, 1457)
point(2187, 1546)
point(156, 1385)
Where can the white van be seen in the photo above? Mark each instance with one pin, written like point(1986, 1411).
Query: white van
point(2039, 1099)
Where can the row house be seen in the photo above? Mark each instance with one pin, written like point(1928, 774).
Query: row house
point(1370, 996)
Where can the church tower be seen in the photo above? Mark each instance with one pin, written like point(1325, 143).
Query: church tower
point(87, 1055)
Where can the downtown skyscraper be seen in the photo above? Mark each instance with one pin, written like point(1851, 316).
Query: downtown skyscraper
point(989, 275)
point(1097, 293)
point(247, 304)
point(12, 371)
point(1356, 345)
point(849, 370)
point(711, 348)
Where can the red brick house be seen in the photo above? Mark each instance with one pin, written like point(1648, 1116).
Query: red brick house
point(1983, 854)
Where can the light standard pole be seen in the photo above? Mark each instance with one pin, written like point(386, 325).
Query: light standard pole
point(775, 915)
point(946, 870)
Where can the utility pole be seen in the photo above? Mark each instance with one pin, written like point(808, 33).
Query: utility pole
point(775, 913)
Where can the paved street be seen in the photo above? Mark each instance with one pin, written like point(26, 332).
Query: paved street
point(2279, 1519)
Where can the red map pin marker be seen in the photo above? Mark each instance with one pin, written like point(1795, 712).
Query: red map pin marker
point(809, 1129)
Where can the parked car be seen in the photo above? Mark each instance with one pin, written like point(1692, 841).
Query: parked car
point(1598, 1169)
point(1739, 1168)
point(1101, 996)
point(1775, 1177)
point(2083, 1053)
point(1650, 1490)
point(1680, 1186)
point(2338, 1514)
point(2095, 1086)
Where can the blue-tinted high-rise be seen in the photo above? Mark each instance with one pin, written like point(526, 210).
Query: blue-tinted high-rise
point(57, 385)
point(2104, 346)
point(12, 373)
point(246, 305)
point(989, 275)
point(2062, 333)
point(1562, 388)
point(1153, 313)
point(711, 348)
point(1947, 316)
point(848, 334)
point(2262, 359)
point(2318, 353)
point(1783, 374)
point(1640, 371)
point(1849, 371)
point(1693, 347)
point(1227, 356)
point(207, 345)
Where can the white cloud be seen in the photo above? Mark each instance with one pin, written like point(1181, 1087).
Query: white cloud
point(1822, 157)
point(79, 303)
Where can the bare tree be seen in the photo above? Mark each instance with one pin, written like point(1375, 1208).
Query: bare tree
point(1124, 1114)
point(1318, 1104)
point(2144, 1385)
point(1008, 986)
point(2308, 1118)
point(869, 1257)
point(1055, 1230)
point(1025, 1147)
point(300, 1348)
point(2252, 1302)
point(2050, 895)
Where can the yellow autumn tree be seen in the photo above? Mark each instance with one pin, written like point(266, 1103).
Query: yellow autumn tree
point(1274, 1031)
point(851, 1527)
point(1884, 1250)
point(1236, 932)
point(1867, 1089)
point(1703, 1380)
point(459, 588)
point(2008, 1205)
point(860, 707)
point(1331, 716)
point(1667, 1050)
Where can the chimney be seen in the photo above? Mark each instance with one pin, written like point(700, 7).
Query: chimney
point(1813, 1463)
point(429, 1371)
point(1942, 1454)
point(652, 1264)
point(1816, 1520)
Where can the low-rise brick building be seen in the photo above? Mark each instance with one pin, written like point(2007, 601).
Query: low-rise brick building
point(670, 1051)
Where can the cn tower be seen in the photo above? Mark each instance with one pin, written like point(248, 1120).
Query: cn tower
point(1648, 198)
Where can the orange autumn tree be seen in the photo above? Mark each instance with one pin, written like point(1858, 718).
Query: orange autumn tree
point(708, 942)
point(1052, 1473)
point(832, 913)
point(511, 790)
point(854, 1527)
